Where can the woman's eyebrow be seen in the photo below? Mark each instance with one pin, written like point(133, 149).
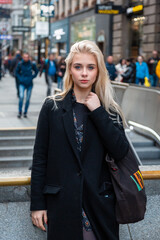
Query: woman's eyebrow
point(90, 64)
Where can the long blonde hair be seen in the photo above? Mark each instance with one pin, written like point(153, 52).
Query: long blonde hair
point(102, 86)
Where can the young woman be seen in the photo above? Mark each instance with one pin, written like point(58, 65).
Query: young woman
point(121, 67)
point(71, 188)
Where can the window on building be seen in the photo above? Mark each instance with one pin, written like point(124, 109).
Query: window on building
point(136, 35)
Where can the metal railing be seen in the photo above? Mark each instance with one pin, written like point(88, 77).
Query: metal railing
point(26, 180)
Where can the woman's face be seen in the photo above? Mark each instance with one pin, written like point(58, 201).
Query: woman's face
point(123, 61)
point(84, 70)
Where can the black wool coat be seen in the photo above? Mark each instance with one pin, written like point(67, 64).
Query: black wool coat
point(63, 181)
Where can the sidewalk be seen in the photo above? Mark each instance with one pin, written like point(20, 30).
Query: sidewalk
point(9, 103)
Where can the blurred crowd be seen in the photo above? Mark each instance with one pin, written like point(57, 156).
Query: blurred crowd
point(24, 69)
point(136, 71)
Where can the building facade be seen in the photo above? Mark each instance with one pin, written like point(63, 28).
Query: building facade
point(127, 34)
point(138, 33)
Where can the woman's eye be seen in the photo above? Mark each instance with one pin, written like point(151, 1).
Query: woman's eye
point(91, 68)
point(77, 67)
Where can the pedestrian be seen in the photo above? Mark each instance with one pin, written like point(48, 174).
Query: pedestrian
point(13, 66)
point(128, 75)
point(60, 72)
point(26, 71)
point(50, 68)
point(141, 71)
point(71, 187)
point(120, 69)
point(111, 68)
point(152, 64)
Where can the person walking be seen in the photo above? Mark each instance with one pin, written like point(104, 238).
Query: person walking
point(71, 188)
point(111, 68)
point(61, 72)
point(26, 71)
point(50, 68)
point(120, 68)
point(13, 66)
point(152, 64)
point(141, 71)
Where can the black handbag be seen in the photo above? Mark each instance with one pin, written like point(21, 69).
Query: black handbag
point(129, 188)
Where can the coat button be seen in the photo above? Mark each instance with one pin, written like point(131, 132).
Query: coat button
point(79, 173)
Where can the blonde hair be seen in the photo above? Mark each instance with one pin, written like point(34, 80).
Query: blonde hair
point(102, 86)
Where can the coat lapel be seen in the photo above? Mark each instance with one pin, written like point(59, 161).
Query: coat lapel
point(69, 124)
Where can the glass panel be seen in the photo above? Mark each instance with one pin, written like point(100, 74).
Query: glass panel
point(84, 29)
point(137, 34)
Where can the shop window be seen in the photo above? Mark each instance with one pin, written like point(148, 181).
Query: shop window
point(136, 35)
point(77, 5)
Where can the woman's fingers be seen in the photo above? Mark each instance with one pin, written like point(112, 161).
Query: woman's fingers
point(45, 217)
point(40, 223)
point(37, 219)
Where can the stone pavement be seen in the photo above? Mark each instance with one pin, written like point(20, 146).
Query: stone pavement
point(9, 103)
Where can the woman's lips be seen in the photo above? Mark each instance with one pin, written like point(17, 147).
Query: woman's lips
point(83, 81)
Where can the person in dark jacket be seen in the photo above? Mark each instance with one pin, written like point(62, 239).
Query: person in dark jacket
point(111, 68)
point(50, 68)
point(60, 72)
point(152, 63)
point(13, 66)
point(26, 71)
point(71, 188)
point(129, 74)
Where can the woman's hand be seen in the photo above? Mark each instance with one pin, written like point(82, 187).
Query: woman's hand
point(92, 101)
point(38, 218)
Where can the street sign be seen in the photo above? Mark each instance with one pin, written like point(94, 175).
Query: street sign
point(108, 9)
point(7, 37)
point(47, 10)
point(4, 13)
point(42, 28)
point(5, 1)
point(136, 9)
point(20, 29)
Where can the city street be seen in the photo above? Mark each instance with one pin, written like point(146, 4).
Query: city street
point(9, 103)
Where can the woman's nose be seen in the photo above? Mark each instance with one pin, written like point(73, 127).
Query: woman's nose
point(84, 71)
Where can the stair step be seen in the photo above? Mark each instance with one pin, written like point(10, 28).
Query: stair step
point(16, 151)
point(139, 140)
point(148, 153)
point(15, 162)
point(139, 143)
point(18, 132)
point(11, 162)
point(151, 161)
point(17, 141)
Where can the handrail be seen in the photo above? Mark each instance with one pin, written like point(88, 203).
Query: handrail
point(148, 130)
point(14, 181)
point(26, 180)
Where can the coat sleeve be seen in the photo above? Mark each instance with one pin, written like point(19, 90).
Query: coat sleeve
point(40, 160)
point(127, 73)
point(112, 134)
point(35, 71)
point(17, 71)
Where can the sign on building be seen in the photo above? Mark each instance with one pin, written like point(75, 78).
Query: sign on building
point(42, 28)
point(5, 1)
point(134, 10)
point(108, 9)
point(20, 29)
point(47, 10)
point(6, 37)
